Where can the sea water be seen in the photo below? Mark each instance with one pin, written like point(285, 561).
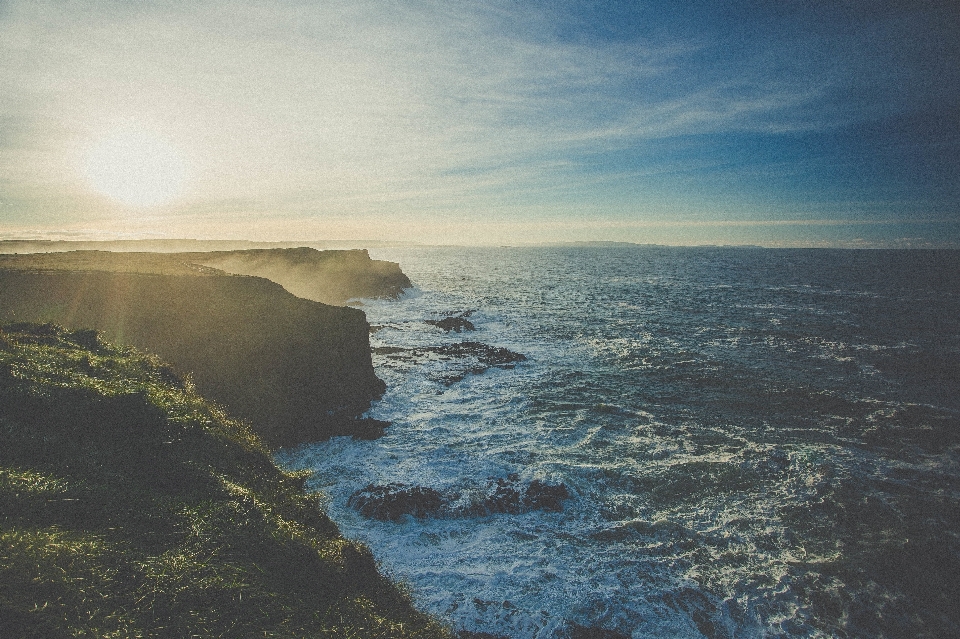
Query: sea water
point(755, 442)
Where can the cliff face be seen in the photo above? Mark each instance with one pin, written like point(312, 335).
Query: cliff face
point(331, 277)
point(130, 507)
point(297, 369)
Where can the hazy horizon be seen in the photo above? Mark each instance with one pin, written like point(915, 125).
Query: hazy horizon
point(218, 244)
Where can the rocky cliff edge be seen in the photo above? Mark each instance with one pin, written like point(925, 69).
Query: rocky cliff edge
point(296, 369)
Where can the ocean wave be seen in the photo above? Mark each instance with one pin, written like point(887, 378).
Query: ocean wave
point(747, 454)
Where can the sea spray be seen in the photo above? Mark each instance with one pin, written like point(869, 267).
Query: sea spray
point(753, 442)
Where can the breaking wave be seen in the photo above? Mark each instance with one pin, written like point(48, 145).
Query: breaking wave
point(748, 442)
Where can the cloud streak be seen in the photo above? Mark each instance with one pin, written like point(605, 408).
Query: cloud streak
point(366, 107)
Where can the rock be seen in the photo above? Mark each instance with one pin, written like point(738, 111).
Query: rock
point(510, 496)
point(500, 495)
point(486, 354)
point(456, 322)
point(331, 277)
point(472, 358)
point(365, 428)
point(589, 632)
point(298, 370)
point(541, 496)
point(393, 501)
point(469, 634)
point(698, 606)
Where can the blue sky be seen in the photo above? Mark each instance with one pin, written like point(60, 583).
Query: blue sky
point(789, 123)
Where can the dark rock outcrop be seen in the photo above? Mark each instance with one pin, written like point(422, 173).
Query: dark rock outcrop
point(469, 634)
point(510, 496)
point(468, 358)
point(576, 631)
point(455, 322)
point(701, 608)
point(296, 369)
point(391, 502)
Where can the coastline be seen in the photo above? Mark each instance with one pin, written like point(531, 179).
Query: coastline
point(712, 411)
point(115, 440)
point(298, 369)
point(131, 506)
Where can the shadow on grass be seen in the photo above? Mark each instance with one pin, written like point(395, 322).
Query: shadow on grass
point(132, 507)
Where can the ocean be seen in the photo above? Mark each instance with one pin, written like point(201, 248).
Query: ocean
point(697, 442)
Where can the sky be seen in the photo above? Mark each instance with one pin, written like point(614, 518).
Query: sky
point(790, 123)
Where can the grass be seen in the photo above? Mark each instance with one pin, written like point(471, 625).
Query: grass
point(132, 507)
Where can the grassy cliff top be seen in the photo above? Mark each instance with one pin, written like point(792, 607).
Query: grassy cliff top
point(132, 507)
point(331, 277)
point(191, 263)
point(152, 263)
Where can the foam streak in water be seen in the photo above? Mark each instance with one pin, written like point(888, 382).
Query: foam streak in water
point(753, 442)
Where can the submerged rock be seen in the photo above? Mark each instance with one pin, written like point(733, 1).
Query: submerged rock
point(700, 608)
point(469, 634)
point(511, 496)
point(456, 322)
point(486, 354)
point(542, 496)
point(391, 502)
point(467, 358)
point(576, 631)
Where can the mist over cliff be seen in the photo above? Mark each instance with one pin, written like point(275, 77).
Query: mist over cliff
point(298, 369)
point(332, 277)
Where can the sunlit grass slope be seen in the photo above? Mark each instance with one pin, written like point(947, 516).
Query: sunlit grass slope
point(131, 507)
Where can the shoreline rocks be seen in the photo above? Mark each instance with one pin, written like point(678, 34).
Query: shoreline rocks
point(510, 495)
point(456, 322)
point(473, 358)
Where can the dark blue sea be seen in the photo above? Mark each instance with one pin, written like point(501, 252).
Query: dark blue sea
point(732, 442)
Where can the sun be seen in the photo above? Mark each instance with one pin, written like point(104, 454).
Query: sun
point(135, 166)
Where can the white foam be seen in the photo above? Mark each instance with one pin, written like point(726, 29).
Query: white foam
point(673, 490)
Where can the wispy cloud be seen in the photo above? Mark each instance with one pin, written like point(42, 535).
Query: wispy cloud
point(388, 90)
point(364, 107)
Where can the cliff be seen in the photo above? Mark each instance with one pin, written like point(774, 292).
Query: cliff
point(182, 245)
point(297, 369)
point(131, 507)
point(331, 277)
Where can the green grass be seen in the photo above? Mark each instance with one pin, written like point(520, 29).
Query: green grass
point(132, 507)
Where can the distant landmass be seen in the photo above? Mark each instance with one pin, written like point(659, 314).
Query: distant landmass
point(598, 244)
point(183, 245)
point(332, 277)
point(605, 244)
point(298, 369)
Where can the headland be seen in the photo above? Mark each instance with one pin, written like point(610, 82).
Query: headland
point(298, 369)
point(132, 507)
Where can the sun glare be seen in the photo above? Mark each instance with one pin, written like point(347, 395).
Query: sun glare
point(137, 167)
